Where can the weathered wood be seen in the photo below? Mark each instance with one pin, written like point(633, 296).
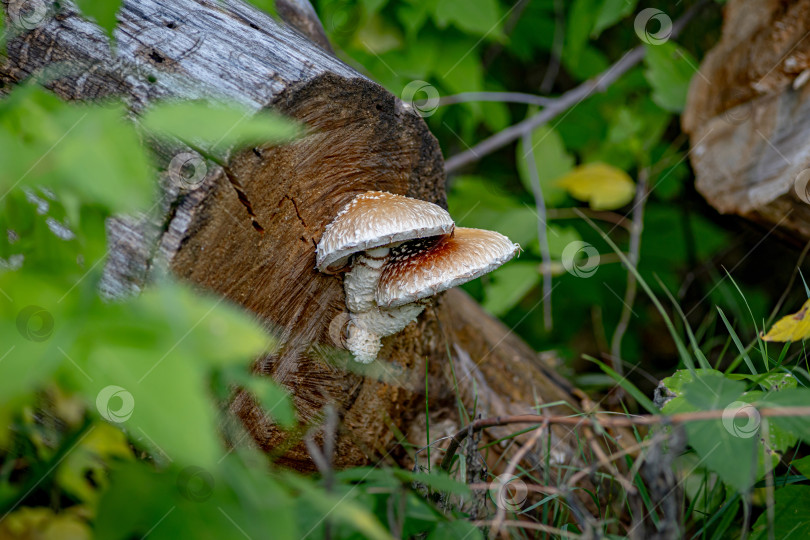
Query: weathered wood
point(748, 112)
point(361, 138)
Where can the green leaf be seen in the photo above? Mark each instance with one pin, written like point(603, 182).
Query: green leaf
point(676, 382)
point(798, 426)
point(274, 399)
point(508, 285)
point(342, 508)
point(268, 6)
point(439, 481)
point(551, 161)
point(89, 151)
point(669, 69)
point(726, 446)
point(611, 12)
point(456, 529)
point(790, 516)
point(102, 11)
point(802, 465)
point(580, 22)
point(218, 126)
point(478, 17)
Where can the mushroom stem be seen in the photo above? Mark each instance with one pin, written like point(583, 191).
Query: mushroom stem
point(367, 328)
point(361, 282)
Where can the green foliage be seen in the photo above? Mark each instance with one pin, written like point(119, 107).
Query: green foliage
point(669, 70)
point(103, 13)
point(112, 410)
point(220, 126)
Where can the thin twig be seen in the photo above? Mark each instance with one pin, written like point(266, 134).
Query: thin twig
point(606, 421)
point(542, 228)
point(503, 97)
point(610, 217)
point(633, 256)
point(553, 69)
point(563, 102)
point(531, 525)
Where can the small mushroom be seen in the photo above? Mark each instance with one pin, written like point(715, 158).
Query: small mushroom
point(367, 228)
point(412, 275)
point(400, 251)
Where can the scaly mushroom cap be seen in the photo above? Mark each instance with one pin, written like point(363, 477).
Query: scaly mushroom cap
point(374, 219)
point(413, 272)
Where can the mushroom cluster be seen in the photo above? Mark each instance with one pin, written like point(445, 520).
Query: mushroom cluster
point(398, 252)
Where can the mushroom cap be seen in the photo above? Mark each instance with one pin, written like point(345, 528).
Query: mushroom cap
point(375, 219)
point(413, 273)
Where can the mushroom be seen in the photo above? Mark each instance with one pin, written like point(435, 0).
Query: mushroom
point(400, 251)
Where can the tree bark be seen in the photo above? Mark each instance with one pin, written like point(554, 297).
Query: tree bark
point(746, 115)
point(250, 234)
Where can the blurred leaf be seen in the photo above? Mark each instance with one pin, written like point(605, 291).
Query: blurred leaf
point(508, 285)
point(220, 501)
point(219, 126)
point(342, 508)
point(83, 473)
point(103, 12)
point(611, 12)
point(551, 161)
point(669, 69)
point(790, 517)
point(580, 21)
point(90, 151)
point(793, 327)
point(378, 36)
point(275, 400)
point(39, 523)
point(437, 480)
point(456, 529)
point(726, 446)
point(479, 17)
point(458, 67)
point(798, 426)
point(604, 187)
point(268, 6)
point(802, 465)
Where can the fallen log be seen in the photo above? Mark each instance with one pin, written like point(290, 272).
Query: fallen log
point(248, 230)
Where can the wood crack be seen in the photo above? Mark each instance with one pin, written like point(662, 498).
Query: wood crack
point(297, 212)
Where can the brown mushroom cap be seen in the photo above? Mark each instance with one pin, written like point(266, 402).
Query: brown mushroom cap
point(374, 219)
point(413, 273)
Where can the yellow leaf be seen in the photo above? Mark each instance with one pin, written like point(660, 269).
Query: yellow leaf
point(795, 327)
point(604, 187)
